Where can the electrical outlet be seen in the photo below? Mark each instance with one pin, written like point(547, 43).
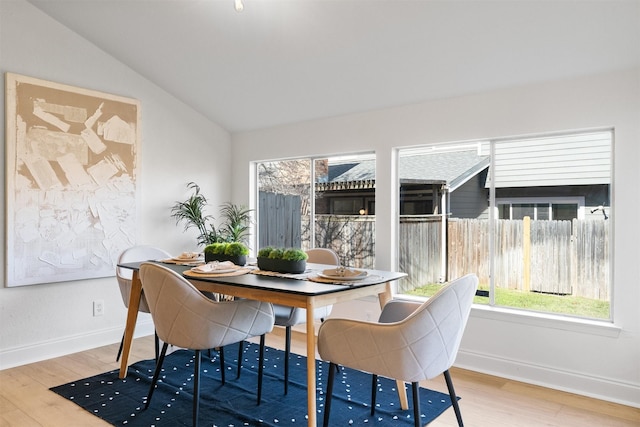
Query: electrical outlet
point(368, 316)
point(98, 307)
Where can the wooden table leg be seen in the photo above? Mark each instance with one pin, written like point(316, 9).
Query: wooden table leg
point(402, 394)
point(384, 298)
point(132, 317)
point(311, 366)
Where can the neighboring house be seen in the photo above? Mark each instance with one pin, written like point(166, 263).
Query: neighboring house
point(427, 182)
point(558, 177)
point(554, 177)
point(349, 189)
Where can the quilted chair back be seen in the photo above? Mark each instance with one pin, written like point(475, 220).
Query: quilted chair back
point(323, 256)
point(184, 317)
point(421, 346)
point(123, 275)
point(291, 316)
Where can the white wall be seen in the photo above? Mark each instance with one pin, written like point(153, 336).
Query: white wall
point(591, 359)
point(178, 146)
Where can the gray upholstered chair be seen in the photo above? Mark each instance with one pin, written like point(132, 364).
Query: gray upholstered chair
point(185, 318)
point(418, 347)
point(290, 316)
point(123, 275)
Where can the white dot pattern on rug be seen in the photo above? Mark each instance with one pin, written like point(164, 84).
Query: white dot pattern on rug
point(121, 402)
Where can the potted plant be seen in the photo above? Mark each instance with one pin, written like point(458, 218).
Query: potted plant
point(233, 228)
point(282, 260)
point(235, 252)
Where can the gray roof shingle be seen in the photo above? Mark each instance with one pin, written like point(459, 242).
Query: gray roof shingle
point(453, 168)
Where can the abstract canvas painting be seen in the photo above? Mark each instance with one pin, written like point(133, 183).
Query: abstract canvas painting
point(71, 174)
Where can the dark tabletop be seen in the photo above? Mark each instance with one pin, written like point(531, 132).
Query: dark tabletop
point(283, 284)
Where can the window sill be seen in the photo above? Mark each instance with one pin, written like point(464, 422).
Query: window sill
point(603, 328)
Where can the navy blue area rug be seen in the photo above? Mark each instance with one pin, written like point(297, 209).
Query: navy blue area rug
point(233, 404)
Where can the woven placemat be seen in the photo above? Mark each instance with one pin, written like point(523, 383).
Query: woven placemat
point(195, 275)
point(296, 276)
point(365, 280)
point(194, 263)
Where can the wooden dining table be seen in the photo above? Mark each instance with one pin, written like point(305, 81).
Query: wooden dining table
point(307, 291)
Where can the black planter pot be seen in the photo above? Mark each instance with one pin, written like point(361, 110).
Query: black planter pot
point(281, 265)
point(237, 259)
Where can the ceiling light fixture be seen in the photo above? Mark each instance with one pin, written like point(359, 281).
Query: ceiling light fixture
point(239, 6)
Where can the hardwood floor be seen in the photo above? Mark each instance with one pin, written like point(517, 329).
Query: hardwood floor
point(25, 399)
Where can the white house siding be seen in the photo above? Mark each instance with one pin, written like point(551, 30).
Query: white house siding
point(555, 160)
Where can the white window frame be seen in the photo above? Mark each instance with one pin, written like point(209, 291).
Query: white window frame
point(579, 201)
point(255, 177)
point(605, 327)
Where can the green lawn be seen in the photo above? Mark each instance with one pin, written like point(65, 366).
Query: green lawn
point(563, 304)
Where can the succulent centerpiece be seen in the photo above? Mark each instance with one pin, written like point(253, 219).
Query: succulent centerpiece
point(235, 252)
point(282, 260)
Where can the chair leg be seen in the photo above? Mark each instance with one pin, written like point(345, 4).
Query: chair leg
point(454, 399)
point(329, 394)
point(157, 347)
point(287, 353)
point(196, 389)
point(416, 403)
point(157, 344)
point(222, 367)
point(240, 354)
point(156, 374)
point(122, 345)
point(374, 391)
point(260, 368)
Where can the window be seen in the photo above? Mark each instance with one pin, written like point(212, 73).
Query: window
point(530, 216)
point(549, 208)
point(284, 192)
point(319, 202)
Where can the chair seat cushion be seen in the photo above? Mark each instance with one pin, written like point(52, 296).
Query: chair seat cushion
point(291, 316)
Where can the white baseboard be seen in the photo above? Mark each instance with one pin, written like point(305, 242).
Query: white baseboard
point(63, 346)
point(572, 382)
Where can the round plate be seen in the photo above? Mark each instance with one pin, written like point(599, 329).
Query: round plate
point(220, 271)
point(177, 258)
point(330, 277)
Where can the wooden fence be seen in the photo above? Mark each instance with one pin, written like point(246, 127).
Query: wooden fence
point(280, 220)
point(419, 252)
point(281, 224)
point(351, 237)
point(558, 257)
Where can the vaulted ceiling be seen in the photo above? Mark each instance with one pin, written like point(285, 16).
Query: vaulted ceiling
point(285, 61)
